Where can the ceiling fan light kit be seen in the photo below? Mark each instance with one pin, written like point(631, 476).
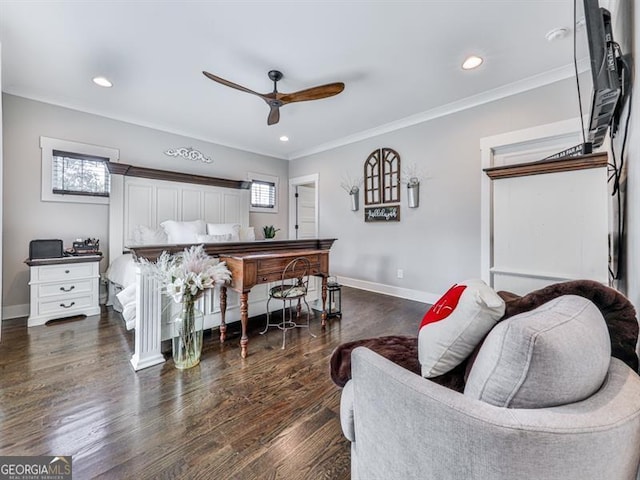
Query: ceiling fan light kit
point(275, 99)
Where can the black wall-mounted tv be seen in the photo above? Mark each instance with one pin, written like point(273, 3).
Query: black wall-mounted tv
point(606, 90)
point(605, 72)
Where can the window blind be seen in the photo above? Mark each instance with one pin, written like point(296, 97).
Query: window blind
point(78, 174)
point(263, 194)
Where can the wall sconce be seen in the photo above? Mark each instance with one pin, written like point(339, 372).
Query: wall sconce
point(355, 199)
point(412, 178)
point(352, 187)
point(413, 193)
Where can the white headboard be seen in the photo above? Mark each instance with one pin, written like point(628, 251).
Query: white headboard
point(140, 200)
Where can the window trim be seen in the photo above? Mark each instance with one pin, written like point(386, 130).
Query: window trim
point(251, 176)
point(48, 145)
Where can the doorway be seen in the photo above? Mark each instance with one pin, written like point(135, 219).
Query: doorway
point(303, 207)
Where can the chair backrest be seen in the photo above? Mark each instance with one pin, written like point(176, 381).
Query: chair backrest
point(297, 270)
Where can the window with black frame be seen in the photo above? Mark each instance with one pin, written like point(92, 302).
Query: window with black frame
point(79, 174)
point(263, 194)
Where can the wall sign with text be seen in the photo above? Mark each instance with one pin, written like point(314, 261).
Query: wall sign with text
point(382, 214)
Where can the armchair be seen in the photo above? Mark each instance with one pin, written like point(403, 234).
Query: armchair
point(551, 393)
point(403, 426)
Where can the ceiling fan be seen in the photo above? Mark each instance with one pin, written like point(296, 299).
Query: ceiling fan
point(276, 99)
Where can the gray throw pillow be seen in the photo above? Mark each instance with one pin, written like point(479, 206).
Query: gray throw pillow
point(556, 354)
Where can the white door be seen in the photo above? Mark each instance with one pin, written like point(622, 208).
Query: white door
point(306, 211)
point(303, 207)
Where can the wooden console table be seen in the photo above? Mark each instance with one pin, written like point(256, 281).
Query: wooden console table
point(251, 263)
point(249, 269)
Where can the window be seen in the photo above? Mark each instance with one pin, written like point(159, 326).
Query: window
point(75, 172)
point(264, 193)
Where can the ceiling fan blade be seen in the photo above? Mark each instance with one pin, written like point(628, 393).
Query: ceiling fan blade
point(314, 93)
point(274, 115)
point(231, 84)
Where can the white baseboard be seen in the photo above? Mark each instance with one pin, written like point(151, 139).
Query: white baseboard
point(409, 294)
point(15, 311)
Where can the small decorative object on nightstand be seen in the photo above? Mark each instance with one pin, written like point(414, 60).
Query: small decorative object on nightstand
point(63, 287)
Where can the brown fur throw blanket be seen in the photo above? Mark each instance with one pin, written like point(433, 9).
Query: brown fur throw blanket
point(616, 309)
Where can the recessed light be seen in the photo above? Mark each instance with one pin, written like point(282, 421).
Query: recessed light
point(102, 81)
point(556, 34)
point(472, 62)
point(284, 138)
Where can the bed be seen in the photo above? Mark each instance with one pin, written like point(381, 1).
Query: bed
point(155, 209)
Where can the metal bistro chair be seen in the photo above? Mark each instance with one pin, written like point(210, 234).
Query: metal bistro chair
point(293, 286)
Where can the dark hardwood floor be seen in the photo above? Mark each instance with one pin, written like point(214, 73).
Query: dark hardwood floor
point(67, 388)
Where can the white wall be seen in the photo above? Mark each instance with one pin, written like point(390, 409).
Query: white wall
point(627, 17)
point(438, 243)
point(27, 217)
point(1, 182)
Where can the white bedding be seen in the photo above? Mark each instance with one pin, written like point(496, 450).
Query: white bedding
point(122, 271)
point(122, 274)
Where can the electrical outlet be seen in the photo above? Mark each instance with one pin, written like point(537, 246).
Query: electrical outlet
point(400, 273)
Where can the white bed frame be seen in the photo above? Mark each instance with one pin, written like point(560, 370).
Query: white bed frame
point(136, 200)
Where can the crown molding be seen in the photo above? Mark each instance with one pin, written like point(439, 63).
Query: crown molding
point(514, 88)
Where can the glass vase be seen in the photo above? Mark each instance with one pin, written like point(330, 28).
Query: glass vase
point(187, 336)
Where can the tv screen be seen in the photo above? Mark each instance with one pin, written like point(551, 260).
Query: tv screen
point(605, 73)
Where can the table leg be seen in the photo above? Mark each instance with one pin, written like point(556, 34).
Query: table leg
point(223, 313)
point(244, 319)
point(324, 300)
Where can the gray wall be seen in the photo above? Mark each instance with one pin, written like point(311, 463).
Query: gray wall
point(26, 217)
point(628, 16)
point(438, 243)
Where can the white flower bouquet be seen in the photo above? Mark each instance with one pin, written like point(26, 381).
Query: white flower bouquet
point(185, 276)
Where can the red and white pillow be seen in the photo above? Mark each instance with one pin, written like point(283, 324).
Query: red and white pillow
point(456, 324)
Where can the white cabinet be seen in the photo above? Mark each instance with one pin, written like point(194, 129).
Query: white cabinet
point(549, 223)
point(63, 287)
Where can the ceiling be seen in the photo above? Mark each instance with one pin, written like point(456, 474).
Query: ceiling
point(400, 62)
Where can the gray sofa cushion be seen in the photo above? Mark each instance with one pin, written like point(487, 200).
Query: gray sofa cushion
point(556, 354)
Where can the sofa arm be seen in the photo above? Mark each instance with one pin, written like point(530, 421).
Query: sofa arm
point(407, 427)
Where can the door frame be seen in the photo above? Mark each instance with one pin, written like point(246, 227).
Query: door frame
point(564, 132)
point(293, 183)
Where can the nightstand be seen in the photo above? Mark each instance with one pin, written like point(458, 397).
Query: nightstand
point(63, 287)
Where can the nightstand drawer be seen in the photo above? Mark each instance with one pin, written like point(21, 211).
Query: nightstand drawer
point(48, 273)
point(66, 306)
point(66, 289)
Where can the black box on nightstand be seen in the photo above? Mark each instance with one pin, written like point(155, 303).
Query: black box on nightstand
point(45, 249)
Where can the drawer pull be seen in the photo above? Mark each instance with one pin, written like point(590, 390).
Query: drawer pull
point(67, 306)
point(66, 271)
point(264, 279)
point(67, 289)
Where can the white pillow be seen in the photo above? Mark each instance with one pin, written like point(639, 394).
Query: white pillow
point(143, 235)
point(247, 234)
point(183, 232)
point(456, 324)
point(226, 237)
point(223, 229)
